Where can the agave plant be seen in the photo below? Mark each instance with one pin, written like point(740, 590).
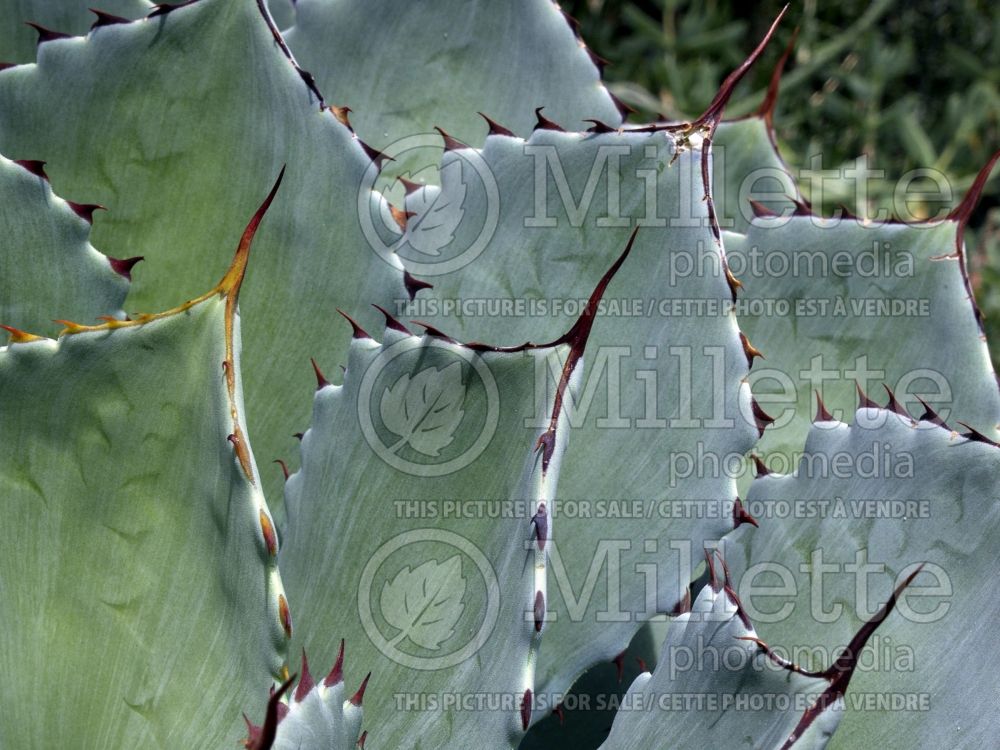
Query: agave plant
point(537, 453)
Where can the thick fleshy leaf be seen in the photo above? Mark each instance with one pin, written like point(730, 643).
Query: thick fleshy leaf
point(664, 379)
point(174, 122)
point(715, 687)
point(48, 268)
point(504, 59)
point(18, 40)
point(428, 560)
point(868, 503)
point(839, 304)
point(142, 602)
point(314, 716)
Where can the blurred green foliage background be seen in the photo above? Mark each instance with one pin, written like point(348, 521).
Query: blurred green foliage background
point(909, 83)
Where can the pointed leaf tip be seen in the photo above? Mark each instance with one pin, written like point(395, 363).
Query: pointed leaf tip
point(976, 436)
point(357, 331)
point(713, 114)
point(342, 115)
point(391, 322)
point(539, 611)
point(34, 166)
point(284, 468)
point(321, 381)
point(306, 682)
point(526, 709)
point(893, 405)
point(359, 696)
point(124, 266)
point(863, 401)
point(496, 128)
point(106, 19)
point(749, 350)
point(930, 415)
point(46, 35)
point(822, 415)
point(740, 514)
point(450, 144)
point(377, 157)
point(336, 675)
point(598, 126)
point(761, 418)
point(86, 210)
point(544, 123)
point(17, 336)
point(231, 282)
point(414, 285)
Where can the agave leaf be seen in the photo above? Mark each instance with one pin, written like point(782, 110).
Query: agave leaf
point(18, 39)
point(437, 568)
point(455, 59)
point(718, 685)
point(541, 219)
point(142, 602)
point(123, 136)
point(839, 304)
point(48, 266)
point(868, 503)
point(387, 547)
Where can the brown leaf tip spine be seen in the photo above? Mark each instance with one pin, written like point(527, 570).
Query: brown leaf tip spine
point(336, 675)
point(34, 166)
point(749, 350)
point(450, 144)
point(414, 285)
point(86, 210)
point(124, 266)
point(544, 123)
point(284, 467)
point(893, 405)
point(284, 616)
point(863, 401)
point(391, 323)
point(539, 611)
point(306, 682)
point(526, 709)
point(360, 695)
point(597, 126)
point(740, 514)
point(270, 538)
point(357, 331)
point(106, 19)
point(761, 418)
point(321, 381)
point(541, 523)
point(46, 35)
point(496, 128)
point(822, 415)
